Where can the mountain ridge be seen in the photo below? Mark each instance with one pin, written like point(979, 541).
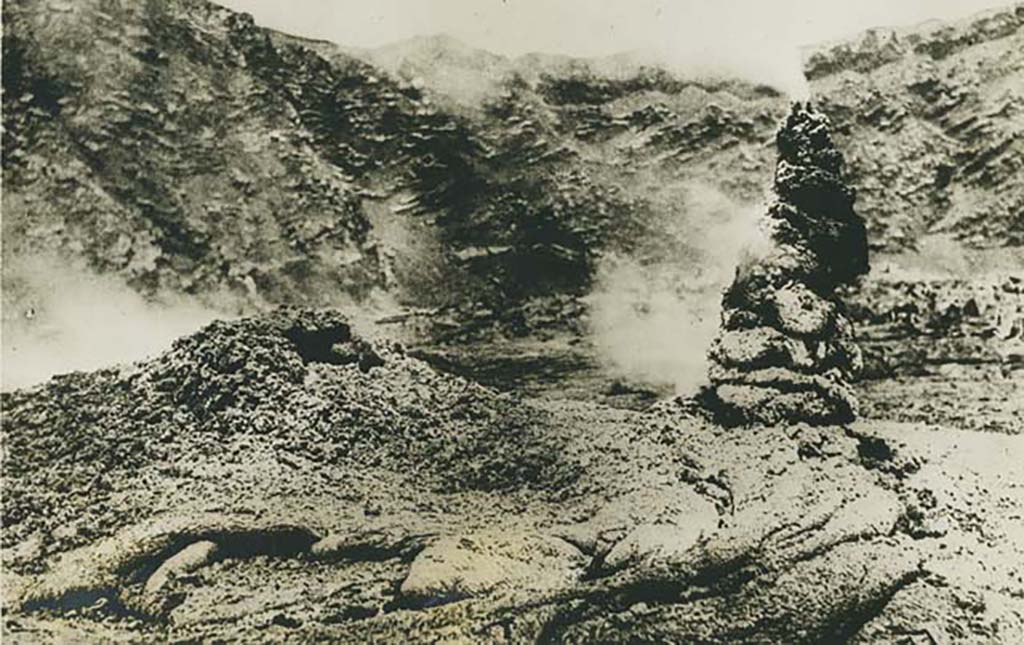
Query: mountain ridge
point(935, 140)
point(190, 152)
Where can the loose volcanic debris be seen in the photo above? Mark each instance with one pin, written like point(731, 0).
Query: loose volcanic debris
point(279, 476)
point(786, 350)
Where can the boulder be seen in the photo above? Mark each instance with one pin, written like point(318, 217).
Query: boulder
point(462, 566)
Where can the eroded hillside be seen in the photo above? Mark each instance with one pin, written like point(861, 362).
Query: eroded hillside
point(185, 148)
point(932, 122)
point(139, 136)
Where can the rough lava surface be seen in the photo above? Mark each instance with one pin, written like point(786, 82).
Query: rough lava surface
point(931, 121)
point(279, 478)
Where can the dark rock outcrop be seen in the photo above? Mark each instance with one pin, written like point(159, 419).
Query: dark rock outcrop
point(786, 349)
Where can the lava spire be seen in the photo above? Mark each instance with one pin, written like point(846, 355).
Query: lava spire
point(785, 351)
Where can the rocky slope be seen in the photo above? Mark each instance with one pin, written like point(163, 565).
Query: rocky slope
point(140, 137)
point(932, 123)
point(189, 150)
point(280, 476)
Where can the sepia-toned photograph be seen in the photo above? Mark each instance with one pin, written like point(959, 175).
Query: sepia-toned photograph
point(512, 321)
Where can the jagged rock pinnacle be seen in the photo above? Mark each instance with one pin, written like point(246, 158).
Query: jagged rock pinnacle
point(785, 351)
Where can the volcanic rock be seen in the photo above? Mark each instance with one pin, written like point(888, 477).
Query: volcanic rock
point(255, 482)
point(785, 352)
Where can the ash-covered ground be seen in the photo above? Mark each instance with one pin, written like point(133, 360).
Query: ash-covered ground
point(507, 350)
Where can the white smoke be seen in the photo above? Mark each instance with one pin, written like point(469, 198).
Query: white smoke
point(653, 318)
point(59, 317)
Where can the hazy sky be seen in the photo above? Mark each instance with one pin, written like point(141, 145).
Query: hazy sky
point(753, 37)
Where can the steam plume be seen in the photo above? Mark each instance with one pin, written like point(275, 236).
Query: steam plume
point(654, 315)
point(59, 316)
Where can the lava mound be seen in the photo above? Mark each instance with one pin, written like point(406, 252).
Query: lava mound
point(786, 350)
